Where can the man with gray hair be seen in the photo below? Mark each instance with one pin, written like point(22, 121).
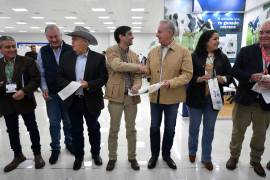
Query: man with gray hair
point(19, 78)
point(169, 64)
point(88, 68)
point(48, 61)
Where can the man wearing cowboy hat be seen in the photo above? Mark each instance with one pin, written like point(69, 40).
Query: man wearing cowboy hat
point(88, 68)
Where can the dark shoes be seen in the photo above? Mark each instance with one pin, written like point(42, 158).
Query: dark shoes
point(77, 163)
point(54, 156)
point(258, 168)
point(231, 163)
point(192, 158)
point(152, 162)
point(70, 149)
point(110, 166)
point(170, 162)
point(97, 160)
point(14, 163)
point(39, 162)
point(268, 165)
point(134, 164)
point(208, 165)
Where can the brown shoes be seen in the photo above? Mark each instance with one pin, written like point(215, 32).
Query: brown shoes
point(258, 169)
point(39, 162)
point(192, 158)
point(14, 163)
point(134, 164)
point(268, 165)
point(208, 165)
point(231, 163)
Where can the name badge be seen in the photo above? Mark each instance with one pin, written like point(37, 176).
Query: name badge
point(11, 88)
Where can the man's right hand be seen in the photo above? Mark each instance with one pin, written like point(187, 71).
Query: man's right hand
point(143, 69)
point(256, 77)
point(45, 95)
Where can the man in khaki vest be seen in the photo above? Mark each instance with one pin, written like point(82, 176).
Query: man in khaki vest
point(124, 74)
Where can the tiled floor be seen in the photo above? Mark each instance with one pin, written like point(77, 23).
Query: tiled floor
point(63, 169)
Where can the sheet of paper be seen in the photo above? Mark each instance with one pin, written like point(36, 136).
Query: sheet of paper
point(266, 97)
point(148, 89)
point(69, 90)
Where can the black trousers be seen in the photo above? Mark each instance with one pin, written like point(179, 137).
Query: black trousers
point(12, 123)
point(76, 112)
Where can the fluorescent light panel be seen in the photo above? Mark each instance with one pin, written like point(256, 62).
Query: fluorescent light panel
point(79, 23)
point(19, 9)
point(98, 9)
point(136, 17)
point(137, 9)
point(136, 27)
point(3, 17)
point(104, 17)
point(21, 23)
point(110, 27)
point(107, 22)
point(34, 27)
point(9, 27)
point(50, 22)
point(71, 17)
point(137, 23)
point(37, 17)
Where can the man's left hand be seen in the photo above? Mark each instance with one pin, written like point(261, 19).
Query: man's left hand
point(265, 84)
point(84, 84)
point(166, 84)
point(18, 95)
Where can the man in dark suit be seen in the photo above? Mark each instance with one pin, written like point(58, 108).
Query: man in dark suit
point(89, 69)
point(251, 64)
point(19, 78)
point(33, 53)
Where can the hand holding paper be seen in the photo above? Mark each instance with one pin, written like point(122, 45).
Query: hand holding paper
point(149, 89)
point(69, 90)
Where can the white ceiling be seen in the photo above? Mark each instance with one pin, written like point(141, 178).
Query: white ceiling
point(119, 12)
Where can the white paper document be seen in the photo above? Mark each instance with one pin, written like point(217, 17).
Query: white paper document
point(148, 89)
point(263, 91)
point(69, 90)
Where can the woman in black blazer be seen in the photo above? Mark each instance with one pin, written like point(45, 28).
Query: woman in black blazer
point(208, 62)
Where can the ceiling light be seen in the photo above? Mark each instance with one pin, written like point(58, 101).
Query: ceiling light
point(61, 27)
point(107, 22)
point(136, 17)
point(137, 23)
point(87, 27)
point(71, 17)
point(92, 31)
point(67, 31)
point(19, 9)
point(2, 31)
point(37, 17)
point(111, 30)
point(136, 31)
point(104, 17)
point(21, 23)
point(22, 31)
point(137, 9)
point(136, 27)
point(110, 27)
point(79, 23)
point(50, 22)
point(98, 9)
point(5, 17)
point(34, 27)
point(9, 27)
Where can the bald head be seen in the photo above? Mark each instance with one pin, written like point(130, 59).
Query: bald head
point(264, 35)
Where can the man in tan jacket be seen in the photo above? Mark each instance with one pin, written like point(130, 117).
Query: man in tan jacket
point(170, 64)
point(124, 74)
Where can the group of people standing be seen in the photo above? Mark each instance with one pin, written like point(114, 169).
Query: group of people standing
point(184, 78)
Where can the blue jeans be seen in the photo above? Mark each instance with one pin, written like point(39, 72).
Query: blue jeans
point(209, 121)
point(56, 112)
point(170, 112)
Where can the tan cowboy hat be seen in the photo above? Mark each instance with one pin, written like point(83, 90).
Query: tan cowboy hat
point(83, 33)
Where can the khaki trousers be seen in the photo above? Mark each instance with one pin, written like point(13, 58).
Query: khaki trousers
point(130, 111)
point(242, 117)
